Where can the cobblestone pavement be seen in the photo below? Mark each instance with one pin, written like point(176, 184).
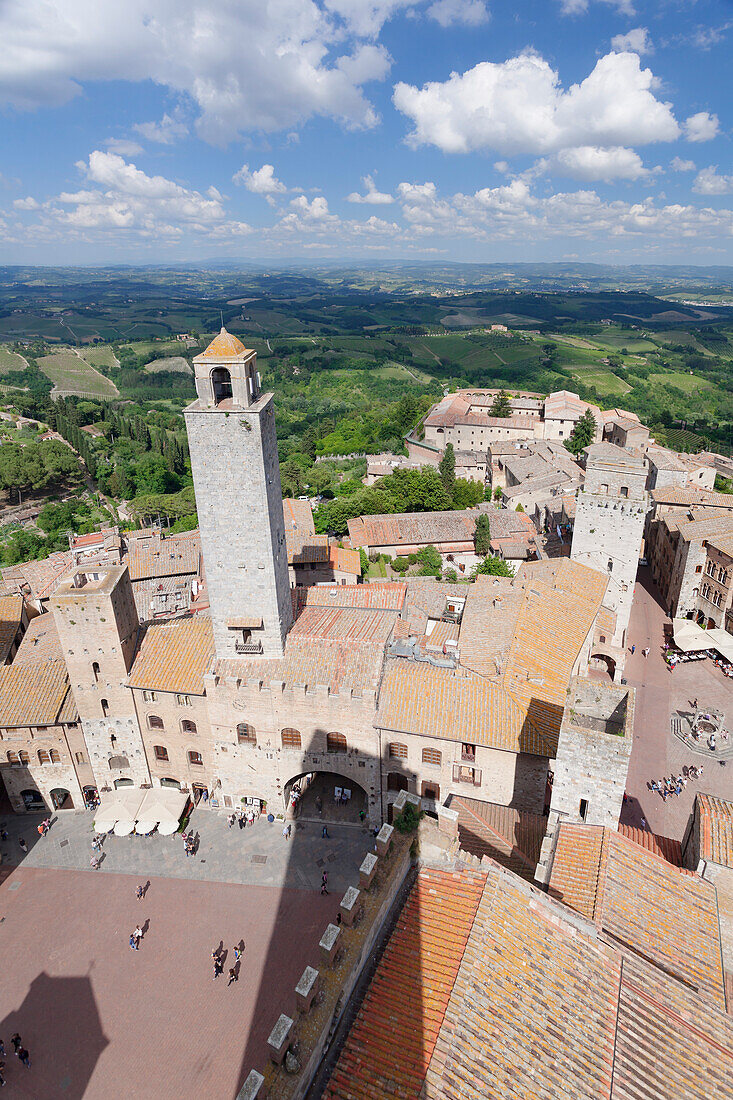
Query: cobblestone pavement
point(659, 692)
point(103, 1022)
point(257, 855)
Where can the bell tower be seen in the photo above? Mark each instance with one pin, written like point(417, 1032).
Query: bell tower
point(236, 476)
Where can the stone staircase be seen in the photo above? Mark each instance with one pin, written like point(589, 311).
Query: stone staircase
point(511, 837)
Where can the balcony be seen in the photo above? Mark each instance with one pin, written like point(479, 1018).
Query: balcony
point(249, 648)
point(469, 756)
point(472, 776)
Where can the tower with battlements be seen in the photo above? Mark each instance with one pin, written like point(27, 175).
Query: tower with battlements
point(236, 475)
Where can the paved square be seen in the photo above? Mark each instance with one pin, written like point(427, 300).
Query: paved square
point(102, 1021)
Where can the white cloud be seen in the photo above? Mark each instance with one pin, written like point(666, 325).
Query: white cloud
point(166, 132)
point(580, 7)
point(589, 162)
point(677, 164)
point(28, 203)
point(701, 127)
point(707, 37)
point(261, 182)
point(518, 106)
point(372, 196)
point(124, 147)
point(636, 41)
point(121, 196)
point(245, 65)
point(451, 13)
point(708, 182)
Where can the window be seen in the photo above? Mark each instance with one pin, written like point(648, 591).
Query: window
point(221, 384)
point(24, 758)
point(187, 726)
point(95, 670)
point(583, 809)
point(55, 758)
point(43, 757)
point(183, 700)
point(624, 491)
point(79, 757)
point(723, 576)
point(13, 760)
point(161, 753)
point(155, 723)
point(710, 568)
point(290, 739)
point(432, 756)
point(604, 488)
point(398, 751)
point(698, 569)
point(105, 707)
point(247, 735)
point(468, 752)
point(335, 742)
point(396, 782)
point(149, 696)
point(196, 759)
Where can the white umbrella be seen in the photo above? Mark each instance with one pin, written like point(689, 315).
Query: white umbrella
point(124, 828)
point(168, 828)
point(143, 827)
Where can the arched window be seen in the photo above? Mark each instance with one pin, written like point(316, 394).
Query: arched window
point(221, 382)
point(290, 739)
point(13, 759)
point(335, 742)
point(80, 757)
point(187, 726)
point(95, 669)
point(397, 751)
point(105, 707)
point(55, 758)
point(155, 722)
point(432, 756)
point(161, 753)
point(396, 782)
point(24, 758)
point(624, 490)
point(43, 757)
point(246, 734)
point(196, 758)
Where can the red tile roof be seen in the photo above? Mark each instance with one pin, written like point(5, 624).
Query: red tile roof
point(392, 1040)
point(716, 829)
point(174, 656)
point(379, 597)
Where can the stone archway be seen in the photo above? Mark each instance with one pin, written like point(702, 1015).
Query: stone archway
point(61, 799)
point(33, 799)
point(324, 785)
point(602, 666)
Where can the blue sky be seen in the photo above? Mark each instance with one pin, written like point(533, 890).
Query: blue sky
point(488, 130)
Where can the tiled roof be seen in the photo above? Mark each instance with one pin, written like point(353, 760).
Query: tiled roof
point(393, 1038)
point(723, 543)
point(670, 494)
point(665, 846)
point(716, 829)
point(619, 456)
point(426, 599)
point(298, 516)
point(511, 837)
point(454, 704)
point(413, 528)
point(706, 528)
point(40, 642)
point(379, 597)
point(11, 613)
point(224, 346)
point(39, 577)
point(345, 560)
point(344, 624)
point(164, 557)
point(162, 596)
point(174, 656)
point(32, 694)
point(656, 910)
point(304, 548)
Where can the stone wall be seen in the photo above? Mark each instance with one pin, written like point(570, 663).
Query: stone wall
point(178, 744)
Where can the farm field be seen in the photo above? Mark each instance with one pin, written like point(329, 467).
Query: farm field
point(605, 381)
point(72, 374)
point(689, 383)
point(175, 363)
point(100, 356)
point(10, 361)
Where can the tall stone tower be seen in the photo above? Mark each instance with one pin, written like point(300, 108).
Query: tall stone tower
point(97, 623)
point(609, 526)
point(236, 476)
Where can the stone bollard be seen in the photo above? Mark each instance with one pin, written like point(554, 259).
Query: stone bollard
point(384, 839)
point(329, 944)
point(253, 1087)
point(399, 803)
point(306, 989)
point(279, 1038)
point(349, 906)
point(448, 822)
point(368, 870)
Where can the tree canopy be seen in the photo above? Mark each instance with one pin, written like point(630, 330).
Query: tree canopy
point(582, 434)
point(482, 537)
point(501, 405)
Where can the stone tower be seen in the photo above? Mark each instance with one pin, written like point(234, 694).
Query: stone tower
point(97, 623)
point(609, 526)
point(236, 475)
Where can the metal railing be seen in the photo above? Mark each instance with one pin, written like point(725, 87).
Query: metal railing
point(248, 647)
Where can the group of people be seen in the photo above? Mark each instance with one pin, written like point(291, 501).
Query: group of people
point(44, 827)
point(20, 1053)
point(243, 817)
point(135, 938)
point(217, 957)
point(675, 784)
point(190, 843)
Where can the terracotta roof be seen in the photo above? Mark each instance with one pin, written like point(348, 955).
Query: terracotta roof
point(706, 528)
point(224, 346)
point(298, 516)
point(454, 704)
point(164, 557)
point(379, 597)
point(174, 656)
point(345, 560)
point(304, 548)
point(392, 1040)
point(39, 578)
point(512, 837)
point(40, 642)
point(658, 911)
point(11, 614)
point(665, 846)
point(32, 694)
point(723, 543)
point(344, 624)
point(670, 494)
point(716, 829)
point(413, 528)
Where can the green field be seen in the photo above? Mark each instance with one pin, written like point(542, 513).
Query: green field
point(148, 347)
point(175, 363)
point(100, 356)
point(605, 381)
point(71, 373)
point(9, 361)
point(689, 383)
point(403, 373)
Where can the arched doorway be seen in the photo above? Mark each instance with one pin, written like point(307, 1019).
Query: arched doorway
point(123, 783)
point(342, 800)
point(32, 799)
point(221, 382)
point(91, 796)
point(61, 799)
point(167, 781)
point(602, 667)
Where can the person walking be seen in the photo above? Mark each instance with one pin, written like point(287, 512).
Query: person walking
point(218, 967)
point(319, 804)
point(237, 952)
point(633, 650)
point(17, 1043)
point(140, 893)
point(324, 833)
point(133, 942)
point(2, 1078)
point(645, 651)
point(25, 1057)
point(324, 882)
point(23, 844)
point(138, 934)
point(2, 1049)
point(233, 975)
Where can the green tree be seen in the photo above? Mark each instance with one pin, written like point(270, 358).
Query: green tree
point(418, 490)
point(494, 567)
point(431, 563)
point(447, 467)
point(501, 405)
point(482, 537)
point(582, 434)
point(497, 492)
point(153, 476)
point(467, 494)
